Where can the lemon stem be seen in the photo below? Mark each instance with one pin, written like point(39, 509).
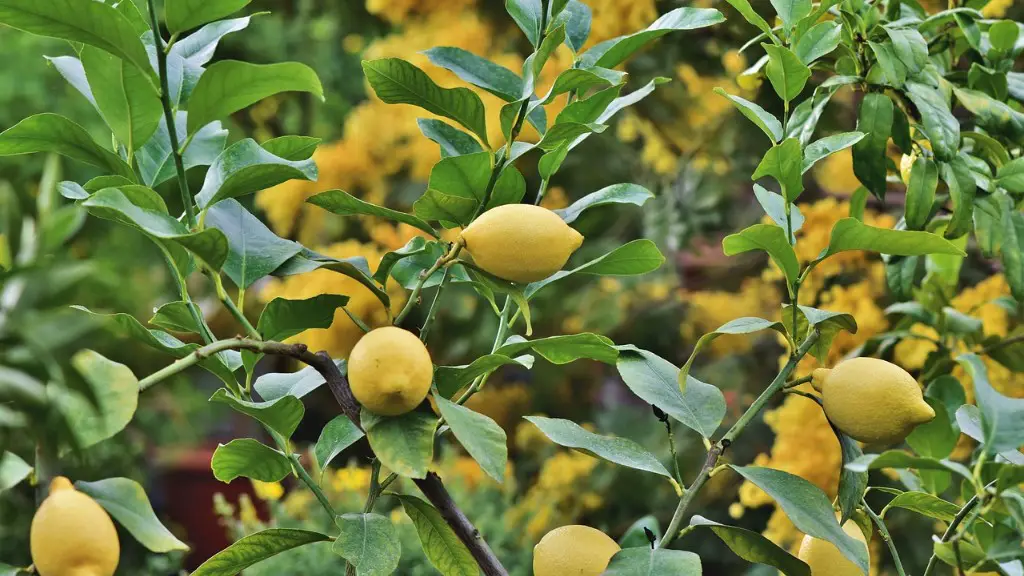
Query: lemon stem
point(969, 506)
point(885, 536)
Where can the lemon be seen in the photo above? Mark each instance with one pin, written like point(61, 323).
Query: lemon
point(825, 559)
point(390, 371)
point(872, 400)
point(520, 242)
point(573, 551)
point(72, 535)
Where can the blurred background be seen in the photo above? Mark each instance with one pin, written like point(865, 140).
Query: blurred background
point(686, 144)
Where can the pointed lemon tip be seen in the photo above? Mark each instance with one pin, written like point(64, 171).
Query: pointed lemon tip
point(818, 377)
point(61, 483)
point(924, 413)
point(575, 238)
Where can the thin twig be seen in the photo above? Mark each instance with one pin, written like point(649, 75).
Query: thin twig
point(885, 536)
point(957, 520)
point(414, 297)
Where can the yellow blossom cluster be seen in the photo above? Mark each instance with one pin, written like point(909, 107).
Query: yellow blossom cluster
point(398, 11)
point(613, 18)
point(709, 309)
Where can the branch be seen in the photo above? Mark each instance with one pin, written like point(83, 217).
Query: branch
point(957, 520)
point(885, 536)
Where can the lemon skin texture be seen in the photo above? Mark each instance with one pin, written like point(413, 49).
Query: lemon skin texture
point(872, 400)
point(573, 551)
point(520, 242)
point(72, 535)
point(389, 371)
point(825, 559)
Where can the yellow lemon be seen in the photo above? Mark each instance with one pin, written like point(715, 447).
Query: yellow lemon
point(825, 559)
point(520, 242)
point(872, 400)
point(390, 371)
point(573, 551)
point(72, 535)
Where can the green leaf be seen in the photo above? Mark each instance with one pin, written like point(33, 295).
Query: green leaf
point(529, 16)
point(12, 471)
point(890, 70)
point(451, 379)
point(899, 459)
point(827, 146)
point(754, 547)
point(184, 15)
point(198, 47)
point(282, 415)
point(535, 62)
point(228, 86)
point(369, 542)
point(336, 436)
point(282, 318)
point(768, 124)
point(576, 18)
point(805, 116)
point(770, 238)
point(255, 548)
point(355, 267)
point(614, 194)
point(55, 133)
point(405, 443)
point(210, 245)
point(937, 438)
point(568, 132)
point(86, 21)
point(440, 543)
point(910, 47)
point(748, 13)
point(820, 40)
point(246, 167)
point(852, 485)
point(582, 80)
point(344, 204)
point(784, 163)
point(647, 562)
point(479, 435)
point(1002, 418)
point(633, 258)
point(775, 207)
point(634, 536)
point(941, 127)
point(698, 406)
point(1012, 251)
point(998, 118)
point(563, 349)
point(611, 53)
point(453, 142)
point(1011, 176)
point(869, 160)
point(852, 234)
point(416, 245)
point(791, 11)
point(621, 451)
point(299, 384)
point(115, 395)
point(829, 324)
point(962, 188)
point(589, 109)
point(59, 227)
point(254, 251)
point(925, 504)
point(1003, 35)
point(745, 325)
point(924, 180)
point(175, 316)
point(124, 95)
point(396, 81)
point(155, 159)
point(786, 72)
point(245, 457)
point(292, 147)
point(808, 508)
point(478, 71)
point(126, 501)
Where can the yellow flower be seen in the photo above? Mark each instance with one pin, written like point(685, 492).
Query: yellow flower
point(996, 8)
point(558, 497)
point(734, 62)
point(555, 198)
point(710, 309)
point(613, 18)
point(351, 479)
point(835, 173)
point(268, 490)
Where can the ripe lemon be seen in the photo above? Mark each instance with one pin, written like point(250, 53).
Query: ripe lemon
point(825, 559)
point(390, 371)
point(573, 551)
point(872, 400)
point(520, 242)
point(72, 535)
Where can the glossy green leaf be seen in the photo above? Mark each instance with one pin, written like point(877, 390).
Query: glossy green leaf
point(784, 163)
point(786, 72)
point(754, 547)
point(344, 204)
point(808, 508)
point(745, 325)
point(614, 194)
point(369, 542)
point(535, 62)
point(282, 318)
point(55, 133)
point(1011, 176)
point(339, 434)
point(355, 267)
point(647, 562)
point(529, 16)
point(937, 438)
point(255, 548)
point(396, 81)
point(698, 406)
point(941, 127)
point(621, 451)
point(479, 435)
point(635, 536)
point(126, 501)
point(277, 384)
point(292, 147)
point(441, 545)
point(770, 238)
point(962, 188)
point(244, 168)
point(124, 95)
point(827, 146)
point(156, 162)
point(805, 116)
point(12, 471)
point(611, 53)
point(748, 13)
point(175, 316)
point(775, 207)
point(183, 15)
point(405, 443)
point(768, 124)
point(820, 40)
point(998, 118)
point(852, 234)
point(568, 132)
point(115, 391)
point(198, 47)
point(228, 86)
point(791, 11)
point(248, 458)
point(478, 71)
point(254, 251)
point(576, 18)
point(453, 142)
point(925, 504)
point(852, 484)
point(636, 257)
point(924, 180)
point(282, 415)
point(582, 80)
point(869, 160)
point(899, 459)
point(451, 379)
point(910, 48)
point(563, 349)
point(828, 323)
point(1012, 251)
point(1002, 417)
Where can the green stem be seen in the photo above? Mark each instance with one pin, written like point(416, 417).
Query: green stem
point(414, 297)
point(178, 366)
point(957, 520)
point(432, 313)
point(233, 309)
point(798, 381)
point(499, 337)
point(172, 130)
point(885, 536)
point(672, 449)
point(303, 474)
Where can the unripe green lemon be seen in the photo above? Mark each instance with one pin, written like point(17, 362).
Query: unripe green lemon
point(72, 535)
point(389, 371)
point(573, 551)
point(825, 559)
point(872, 400)
point(520, 242)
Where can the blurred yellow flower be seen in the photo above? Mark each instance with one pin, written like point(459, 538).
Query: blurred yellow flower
point(268, 490)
